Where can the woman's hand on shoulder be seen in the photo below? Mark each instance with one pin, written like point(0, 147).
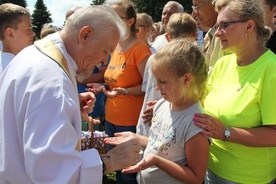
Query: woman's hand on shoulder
point(211, 126)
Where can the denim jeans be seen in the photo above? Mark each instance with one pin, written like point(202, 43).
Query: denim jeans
point(212, 178)
point(110, 130)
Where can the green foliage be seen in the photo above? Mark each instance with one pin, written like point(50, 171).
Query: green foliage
point(18, 2)
point(40, 17)
point(97, 2)
point(154, 7)
point(109, 178)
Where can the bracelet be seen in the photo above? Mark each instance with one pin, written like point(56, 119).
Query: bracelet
point(126, 91)
point(105, 85)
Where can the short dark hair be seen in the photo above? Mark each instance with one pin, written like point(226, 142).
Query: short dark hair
point(270, 3)
point(10, 16)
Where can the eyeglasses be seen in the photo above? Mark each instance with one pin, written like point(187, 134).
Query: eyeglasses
point(223, 25)
point(195, 8)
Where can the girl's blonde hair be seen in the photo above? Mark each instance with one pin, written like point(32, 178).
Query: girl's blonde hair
point(182, 56)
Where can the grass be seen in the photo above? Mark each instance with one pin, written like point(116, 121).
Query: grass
point(109, 178)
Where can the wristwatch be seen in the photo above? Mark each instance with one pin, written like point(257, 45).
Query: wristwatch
point(227, 133)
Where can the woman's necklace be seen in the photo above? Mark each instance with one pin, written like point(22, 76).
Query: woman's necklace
point(126, 44)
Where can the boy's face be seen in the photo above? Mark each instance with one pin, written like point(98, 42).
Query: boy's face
point(23, 35)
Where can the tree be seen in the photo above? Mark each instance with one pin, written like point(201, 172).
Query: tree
point(40, 17)
point(154, 7)
point(97, 2)
point(18, 2)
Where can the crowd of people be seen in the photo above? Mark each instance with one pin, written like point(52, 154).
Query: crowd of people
point(175, 111)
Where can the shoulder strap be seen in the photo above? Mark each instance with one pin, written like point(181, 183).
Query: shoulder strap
point(48, 48)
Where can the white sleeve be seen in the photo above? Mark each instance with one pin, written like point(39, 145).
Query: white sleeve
point(49, 140)
point(91, 167)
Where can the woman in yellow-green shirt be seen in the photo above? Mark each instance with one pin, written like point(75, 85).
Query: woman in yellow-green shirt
point(241, 103)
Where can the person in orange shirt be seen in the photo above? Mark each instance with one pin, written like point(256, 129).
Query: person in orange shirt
point(124, 76)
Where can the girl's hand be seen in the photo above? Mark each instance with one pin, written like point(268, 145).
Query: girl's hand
point(120, 138)
point(145, 163)
point(211, 126)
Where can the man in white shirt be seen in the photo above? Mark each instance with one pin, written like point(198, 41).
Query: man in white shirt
point(40, 121)
point(170, 8)
point(180, 26)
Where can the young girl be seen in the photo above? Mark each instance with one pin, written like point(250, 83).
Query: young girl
point(176, 151)
point(180, 25)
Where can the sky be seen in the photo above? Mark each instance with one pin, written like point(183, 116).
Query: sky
point(58, 8)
